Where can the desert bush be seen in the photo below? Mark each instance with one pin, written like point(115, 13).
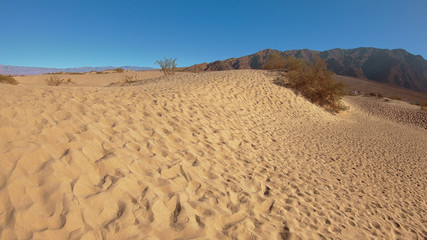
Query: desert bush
point(315, 82)
point(9, 79)
point(119, 70)
point(54, 80)
point(168, 65)
point(69, 81)
point(275, 61)
point(130, 78)
point(294, 64)
point(423, 106)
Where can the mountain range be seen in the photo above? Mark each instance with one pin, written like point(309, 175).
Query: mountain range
point(18, 70)
point(395, 67)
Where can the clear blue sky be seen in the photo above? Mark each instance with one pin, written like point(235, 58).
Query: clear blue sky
point(75, 33)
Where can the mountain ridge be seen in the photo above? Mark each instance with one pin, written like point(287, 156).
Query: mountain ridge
point(396, 67)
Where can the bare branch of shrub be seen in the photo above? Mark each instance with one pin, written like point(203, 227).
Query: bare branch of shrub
point(54, 80)
point(168, 65)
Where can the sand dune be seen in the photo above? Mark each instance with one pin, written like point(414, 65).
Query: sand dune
point(88, 79)
point(216, 155)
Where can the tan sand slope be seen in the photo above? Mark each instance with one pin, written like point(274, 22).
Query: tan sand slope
point(216, 155)
point(88, 79)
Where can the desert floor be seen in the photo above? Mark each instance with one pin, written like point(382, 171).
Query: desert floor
point(216, 155)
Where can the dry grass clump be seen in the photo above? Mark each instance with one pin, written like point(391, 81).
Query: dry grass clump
point(8, 79)
point(130, 78)
point(69, 81)
point(119, 70)
point(315, 82)
point(54, 80)
point(423, 106)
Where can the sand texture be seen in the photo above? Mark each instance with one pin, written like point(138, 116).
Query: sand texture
point(216, 155)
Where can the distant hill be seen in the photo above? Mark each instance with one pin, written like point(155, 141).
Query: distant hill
point(17, 70)
point(396, 67)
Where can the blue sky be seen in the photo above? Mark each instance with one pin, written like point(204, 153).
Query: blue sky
point(65, 33)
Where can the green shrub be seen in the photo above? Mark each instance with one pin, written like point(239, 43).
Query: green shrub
point(9, 79)
point(315, 82)
point(54, 80)
point(168, 65)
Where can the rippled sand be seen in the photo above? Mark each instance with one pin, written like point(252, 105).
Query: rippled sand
point(215, 155)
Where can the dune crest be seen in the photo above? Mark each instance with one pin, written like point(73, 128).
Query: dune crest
point(214, 155)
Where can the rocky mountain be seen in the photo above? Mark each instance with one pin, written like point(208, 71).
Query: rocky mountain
point(18, 70)
point(396, 67)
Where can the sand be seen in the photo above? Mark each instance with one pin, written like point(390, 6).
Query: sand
point(217, 155)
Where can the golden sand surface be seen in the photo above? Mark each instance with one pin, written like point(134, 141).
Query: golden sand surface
point(215, 155)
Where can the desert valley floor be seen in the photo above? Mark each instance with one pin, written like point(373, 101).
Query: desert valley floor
point(215, 155)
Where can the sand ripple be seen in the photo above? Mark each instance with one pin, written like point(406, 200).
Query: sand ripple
point(215, 155)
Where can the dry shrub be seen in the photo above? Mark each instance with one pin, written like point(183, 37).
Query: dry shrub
point(168, 65)
point(130, 78)
point(8, 79)
point(274, 61)
point(69, 81)
point(119, 70)
point(423, 106)
point(54, 80)
point(315, 82)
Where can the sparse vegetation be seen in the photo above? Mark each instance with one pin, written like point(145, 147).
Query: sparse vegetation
point(119, 70)
point(168, 65)
point(315, 82)
point(69, 81)
point(275, 61)
point(423, 106)
point(8, 79)
point(54, 80)
point(130, 78)
point(74, 73)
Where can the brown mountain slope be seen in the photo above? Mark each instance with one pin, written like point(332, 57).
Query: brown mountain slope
point(396, 67)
